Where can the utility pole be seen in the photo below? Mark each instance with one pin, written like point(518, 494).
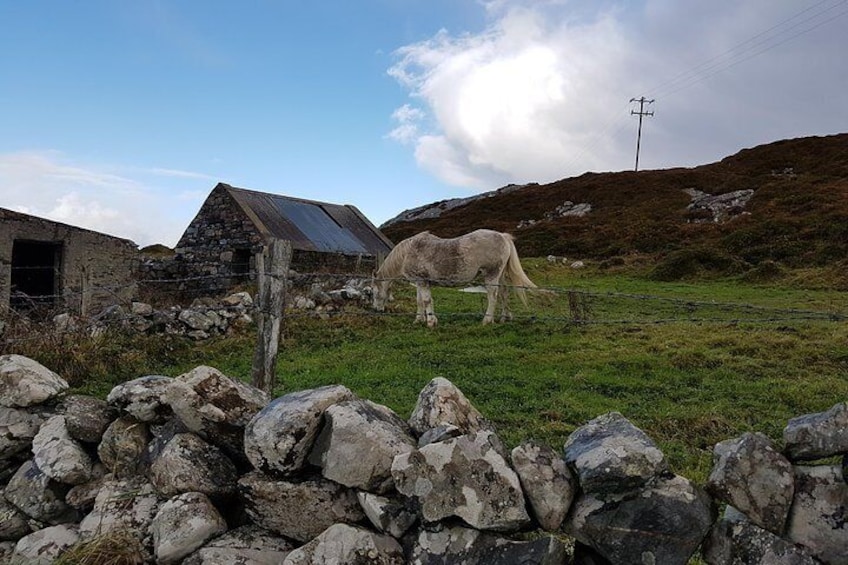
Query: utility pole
point(642, 101)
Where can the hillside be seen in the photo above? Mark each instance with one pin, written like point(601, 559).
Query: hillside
point(796, 215)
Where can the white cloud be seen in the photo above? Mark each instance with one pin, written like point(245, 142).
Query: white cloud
point(542, 93)
point(49, 185)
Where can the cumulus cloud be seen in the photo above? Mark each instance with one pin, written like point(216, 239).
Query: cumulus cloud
point(49, 185)
point(542, 92)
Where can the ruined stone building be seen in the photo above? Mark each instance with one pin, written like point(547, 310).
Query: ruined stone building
point(49, 264)
point(233, 224)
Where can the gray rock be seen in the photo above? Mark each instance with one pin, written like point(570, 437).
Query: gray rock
point(45, 546)
point(358, 443)
point(123, 447)
point(819, 516)
point(142, 399)
point(215, 407)
point(58, 455)
point(38, 496)
point(196, 320)
point(13, 522)
point(547, 483)
point(278, 439)
point(183, 524)
point(390, 516)
point(189, 464)
point(609, 455)
point(439, 433)
point(247, 545)
point(18, 427)
point(815, 436)
point(24, 382)
point(7, 548)
point(122, 505)
point(87, 417)
point(440, 403)
point(441, 545)
point(341, 543)
point(141, 309)
point(299, 509)
point(662, 524)
point(238, 299)
point(81, 497)
point(750, 475)
point(734, 540)
point(467, 477)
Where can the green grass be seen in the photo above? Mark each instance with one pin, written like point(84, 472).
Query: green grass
point(689, 363)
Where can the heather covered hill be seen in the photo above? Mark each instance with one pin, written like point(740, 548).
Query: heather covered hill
point(795, 216)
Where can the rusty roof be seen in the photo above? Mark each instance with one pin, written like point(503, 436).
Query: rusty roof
point(310, 225)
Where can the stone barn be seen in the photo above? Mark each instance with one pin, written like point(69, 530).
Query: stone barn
point(233, 224)
point(60, 267)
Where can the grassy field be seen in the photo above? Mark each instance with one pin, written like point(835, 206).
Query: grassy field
point(691, 364)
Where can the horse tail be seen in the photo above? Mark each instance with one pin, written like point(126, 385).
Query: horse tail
point(515, 274)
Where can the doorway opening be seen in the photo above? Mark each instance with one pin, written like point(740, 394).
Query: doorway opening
point(36, 268)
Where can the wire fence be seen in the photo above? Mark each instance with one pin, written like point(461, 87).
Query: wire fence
point(327, 294)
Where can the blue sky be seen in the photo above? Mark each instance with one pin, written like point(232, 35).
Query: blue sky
point(121, 116)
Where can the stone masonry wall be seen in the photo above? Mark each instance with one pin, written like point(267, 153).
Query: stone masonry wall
point(96, 269)
point(202, 469)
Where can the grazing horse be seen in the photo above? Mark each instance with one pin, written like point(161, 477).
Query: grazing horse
point(426, 259)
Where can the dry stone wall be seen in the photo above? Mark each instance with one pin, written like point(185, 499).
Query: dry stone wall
point(202, 469)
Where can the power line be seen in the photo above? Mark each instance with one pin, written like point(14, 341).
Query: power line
point(642, 101)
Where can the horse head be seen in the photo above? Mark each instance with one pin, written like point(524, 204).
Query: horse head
point(379, 293)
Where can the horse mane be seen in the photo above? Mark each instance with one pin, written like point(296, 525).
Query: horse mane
point(393, 262)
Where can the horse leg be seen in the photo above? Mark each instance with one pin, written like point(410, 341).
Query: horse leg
point(503, 298)
point(492, 292)
point(419, 303)
point(427, 305)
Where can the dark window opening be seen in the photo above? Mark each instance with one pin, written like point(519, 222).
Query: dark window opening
point(241, 262)
point(35, 274)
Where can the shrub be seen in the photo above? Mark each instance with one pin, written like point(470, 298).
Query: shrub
point(694, 262)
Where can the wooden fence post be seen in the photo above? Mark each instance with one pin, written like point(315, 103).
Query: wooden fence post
point(272, 265)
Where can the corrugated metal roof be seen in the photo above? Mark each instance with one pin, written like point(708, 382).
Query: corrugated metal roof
point(310, 225)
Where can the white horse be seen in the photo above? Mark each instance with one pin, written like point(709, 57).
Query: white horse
point(426, 259)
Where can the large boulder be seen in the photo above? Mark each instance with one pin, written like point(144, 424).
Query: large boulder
point(734, 540)
point(188, 464)
point(14, 523)
point(59, 456)
point(467, 477)
point(18, 427)
point(819, 516)
point(123, 447)
point(611, 455)
point(24, 382)
point(440, 545)
point(358, 443)
point(297, 509)
point(664, 522)
point(123, 506)
point(750, 475)
point(215, 407)
point(142, 398)
point(87, 417)
point(442, 403)
point(341, 543)
point(45, 545)
point(278, 439)
point(183, 524)
point(815, 436)
point(547, 483)
point(246, 545)
point(38, 496)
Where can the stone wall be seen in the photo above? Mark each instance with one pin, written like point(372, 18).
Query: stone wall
point(94, 269)
point(203, 469)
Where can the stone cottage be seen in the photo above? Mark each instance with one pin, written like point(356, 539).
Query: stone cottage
point(234, 223)
point(49, 264)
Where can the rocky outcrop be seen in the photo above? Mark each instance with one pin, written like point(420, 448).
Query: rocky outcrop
point(327, 477)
